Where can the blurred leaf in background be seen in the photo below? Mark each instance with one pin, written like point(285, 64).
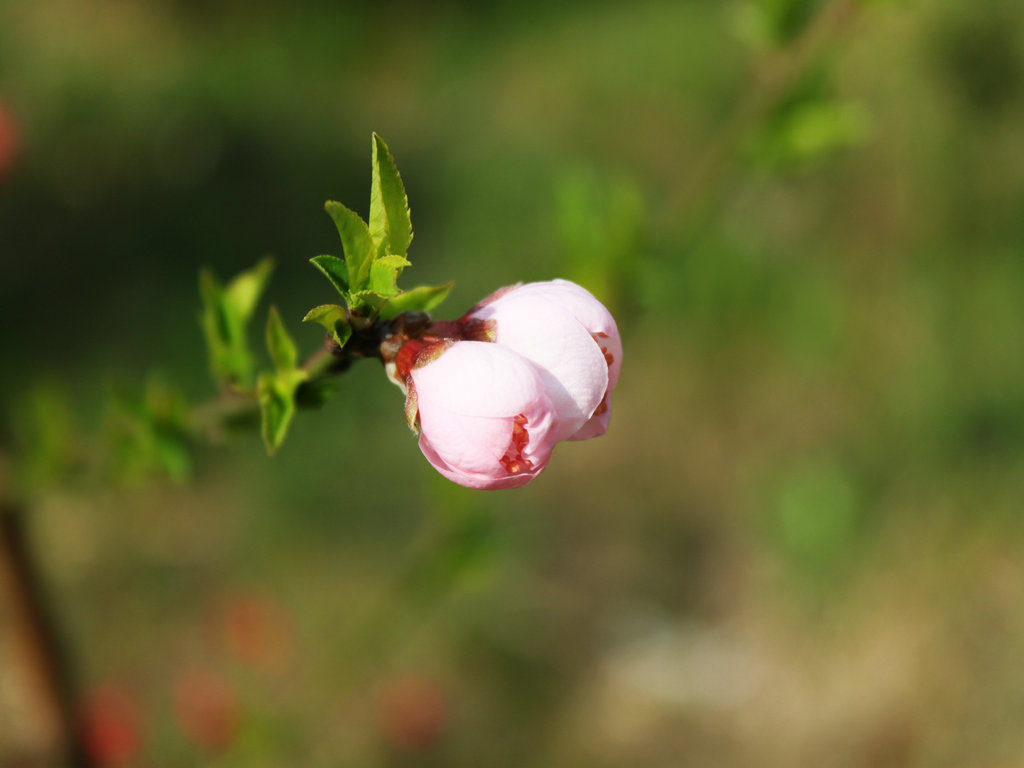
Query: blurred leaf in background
point(600, 225)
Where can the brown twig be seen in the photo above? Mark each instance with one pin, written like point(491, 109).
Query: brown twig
point(207, 419)
point(38, 642)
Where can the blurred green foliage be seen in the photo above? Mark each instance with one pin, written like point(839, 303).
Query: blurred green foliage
point(226, 313)
point(800, 541)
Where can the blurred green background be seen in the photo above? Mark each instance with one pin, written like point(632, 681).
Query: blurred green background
point(800, 542)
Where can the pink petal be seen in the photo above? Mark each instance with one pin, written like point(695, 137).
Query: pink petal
point(485, 419)
point(573, 369)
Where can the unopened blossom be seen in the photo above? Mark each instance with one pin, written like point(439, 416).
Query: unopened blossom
point(569, 335)
point(484, 416)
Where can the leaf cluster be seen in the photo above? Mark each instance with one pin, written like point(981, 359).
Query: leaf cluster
point(374, 256)
point(149, 431)
point(366, 279)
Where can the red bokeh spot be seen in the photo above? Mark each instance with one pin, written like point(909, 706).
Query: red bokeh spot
point(8, 139)
point(206, 707)
point(110, 719)
point(411, 711)
point(256, 630)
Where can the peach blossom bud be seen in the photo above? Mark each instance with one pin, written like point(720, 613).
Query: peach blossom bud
point(569, 335)
point(484, 417)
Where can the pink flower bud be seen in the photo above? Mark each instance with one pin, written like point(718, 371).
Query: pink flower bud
point(571, 338)
point(485, 419)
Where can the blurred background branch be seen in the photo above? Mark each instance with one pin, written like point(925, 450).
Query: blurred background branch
point(775, 73)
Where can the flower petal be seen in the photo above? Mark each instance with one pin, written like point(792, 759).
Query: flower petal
point(573, 368)
point(485, 418)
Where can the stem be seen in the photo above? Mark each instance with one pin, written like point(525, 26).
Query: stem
point(234, 405)
point(38, 641)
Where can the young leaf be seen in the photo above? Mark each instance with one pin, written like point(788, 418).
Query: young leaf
point(809, 131)
point(390, 224)
point(279, 343)
point(210, 288)
point(363, 300)
point(214, 323)
point(384, 273)
point(356, 242)
point(243, 293)
point(423, 298)
point(334, 270)
point(225, 314)
point(277, 404)
point(334, 319)
point(148, 432)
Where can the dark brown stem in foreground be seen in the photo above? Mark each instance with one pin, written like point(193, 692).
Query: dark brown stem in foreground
point(39, 645)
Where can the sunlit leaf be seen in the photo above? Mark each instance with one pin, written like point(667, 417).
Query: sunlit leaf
point(808, 130)
point(776, 22)
point(384, 273)
point(277, 404)
point(147, 432)
point(334, 269)
point(334, 319)
point(390, 224)
point(243, 292)
point(423, 298)
point(367, 300)
point(280, 345)
point(356, 242)
point(225, 314)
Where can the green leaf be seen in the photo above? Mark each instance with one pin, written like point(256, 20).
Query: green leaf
point(355, 240)
point(363, 300)
point(778, 23)
point(226, 311)
point(148, 432)
point(334, 270)
point(210, 288)
point(334, 319)
point(282, 349)
point(214, 322)
point(601, 221)
point(277, 404)
point(46, 441)
point(390, 225)
point(384, 273)
point(807, 130)
point(820, 128)
point(243, 293)
point(423, 298)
